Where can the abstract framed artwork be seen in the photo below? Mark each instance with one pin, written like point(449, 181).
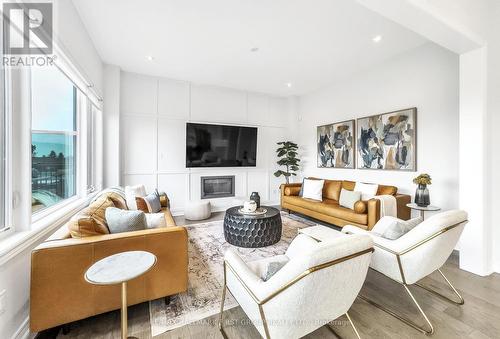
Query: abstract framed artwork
point(336, 145)
point(388, 141)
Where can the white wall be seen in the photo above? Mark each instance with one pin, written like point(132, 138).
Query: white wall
point(426, 78)
point(153, 115)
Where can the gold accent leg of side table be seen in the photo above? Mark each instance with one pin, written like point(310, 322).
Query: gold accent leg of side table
point(124, 310)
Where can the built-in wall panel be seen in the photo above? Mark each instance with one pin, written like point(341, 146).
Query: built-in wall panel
point(176, 187)
point(257, 181)
point(171, 145)
point(154, 112)
point(148, 180)
point(138, 94)
point(209, 103)
point(139, 142)
point(173, 99)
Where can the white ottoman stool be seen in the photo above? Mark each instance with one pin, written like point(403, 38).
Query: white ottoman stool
point(197, 210)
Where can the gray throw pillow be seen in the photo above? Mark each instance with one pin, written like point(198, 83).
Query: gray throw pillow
point(274, 266)
point(400, 228)
point(349, 198)
point(119, 220)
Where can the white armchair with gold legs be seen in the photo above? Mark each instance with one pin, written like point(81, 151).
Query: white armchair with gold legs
point(318, 284)
point(415, 255)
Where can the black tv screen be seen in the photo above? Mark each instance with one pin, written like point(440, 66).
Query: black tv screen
point(220, 145)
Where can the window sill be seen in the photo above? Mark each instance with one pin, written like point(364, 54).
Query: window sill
point(18, 242)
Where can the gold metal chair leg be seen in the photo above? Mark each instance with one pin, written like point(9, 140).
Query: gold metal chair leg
point(404, 320)
point(352, 325)
point(460, 298)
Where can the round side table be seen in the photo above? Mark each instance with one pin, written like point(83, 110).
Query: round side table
point(422, 210)
point(119, 269)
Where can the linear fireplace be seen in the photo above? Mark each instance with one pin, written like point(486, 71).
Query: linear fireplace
point(217, 187)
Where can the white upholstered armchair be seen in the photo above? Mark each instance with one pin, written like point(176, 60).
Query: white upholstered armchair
point(417, 254)
point(318, 284)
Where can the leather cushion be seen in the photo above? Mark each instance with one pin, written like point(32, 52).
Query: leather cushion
point(329, 207)
point(292, 191)
point(91, 220)
point(360, 207)
point(331, 189)
point(387, 190)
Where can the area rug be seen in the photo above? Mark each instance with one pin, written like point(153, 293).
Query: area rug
point(206, 252)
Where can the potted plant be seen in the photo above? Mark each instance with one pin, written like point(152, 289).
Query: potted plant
point(422, 198)
point(287, 152)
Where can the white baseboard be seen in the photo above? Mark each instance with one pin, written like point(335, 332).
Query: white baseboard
point(177, 212)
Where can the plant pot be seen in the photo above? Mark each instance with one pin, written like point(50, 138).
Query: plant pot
point(422, 198)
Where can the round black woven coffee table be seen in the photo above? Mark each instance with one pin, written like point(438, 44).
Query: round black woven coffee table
point(252, 231)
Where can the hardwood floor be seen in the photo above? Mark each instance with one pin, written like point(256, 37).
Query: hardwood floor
point(479, 318)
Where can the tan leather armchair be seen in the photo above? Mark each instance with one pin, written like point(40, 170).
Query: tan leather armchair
point(60, 294)
point(364, 215)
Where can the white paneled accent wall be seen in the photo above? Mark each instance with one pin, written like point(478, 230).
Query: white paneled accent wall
point(153, 116)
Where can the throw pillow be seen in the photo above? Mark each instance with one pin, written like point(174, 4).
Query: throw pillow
point(394, 228)
point(131, 192)
point(155, 220)
point(149, 204)
point(120, 221)
point(349, 198)
point(91, 220)
point(313, 189)
point(368, 191)
point(272, 266)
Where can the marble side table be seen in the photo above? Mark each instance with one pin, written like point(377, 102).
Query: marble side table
point(422, 210)
point(119, 269)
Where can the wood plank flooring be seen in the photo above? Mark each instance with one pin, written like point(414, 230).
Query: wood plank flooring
point(479, 318)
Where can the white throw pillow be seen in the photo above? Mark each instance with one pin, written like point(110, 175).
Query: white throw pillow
point(368, 191)
point(131, 192)
point(313, 189)
point(155, 220)
point(393, 228)
point(349, 198)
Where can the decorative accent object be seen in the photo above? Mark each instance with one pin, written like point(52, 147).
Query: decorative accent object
point(255, 231)
point(258, 211)
point(206, 250)
point(422, 198)
point(255, 197)
point(288, 154)
point(336, 145)
point(388, 141)
point(249, 206)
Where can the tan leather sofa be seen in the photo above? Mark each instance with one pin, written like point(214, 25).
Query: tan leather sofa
point(365, 213)
point(60, 294)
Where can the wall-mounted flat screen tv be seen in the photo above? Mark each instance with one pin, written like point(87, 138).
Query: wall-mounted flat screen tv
point(220, 146)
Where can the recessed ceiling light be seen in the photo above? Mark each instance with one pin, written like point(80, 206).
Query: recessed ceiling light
point(288, 84)
point(150, 58)
point(254, 49)
point(377, 38)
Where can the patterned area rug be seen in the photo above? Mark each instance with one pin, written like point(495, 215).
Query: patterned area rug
point(206, 251)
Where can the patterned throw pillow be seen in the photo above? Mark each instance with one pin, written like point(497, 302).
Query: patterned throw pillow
point(149, 204)
point(120, 221)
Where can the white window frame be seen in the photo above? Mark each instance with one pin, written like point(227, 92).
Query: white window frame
point(6, 134)
point(37, 216)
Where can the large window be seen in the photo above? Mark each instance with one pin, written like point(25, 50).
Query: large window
point(54, 136)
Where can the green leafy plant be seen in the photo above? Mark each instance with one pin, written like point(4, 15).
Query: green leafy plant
point(287, 152)
point(423, 179)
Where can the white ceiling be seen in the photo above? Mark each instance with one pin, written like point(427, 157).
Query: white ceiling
point(309, 43)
